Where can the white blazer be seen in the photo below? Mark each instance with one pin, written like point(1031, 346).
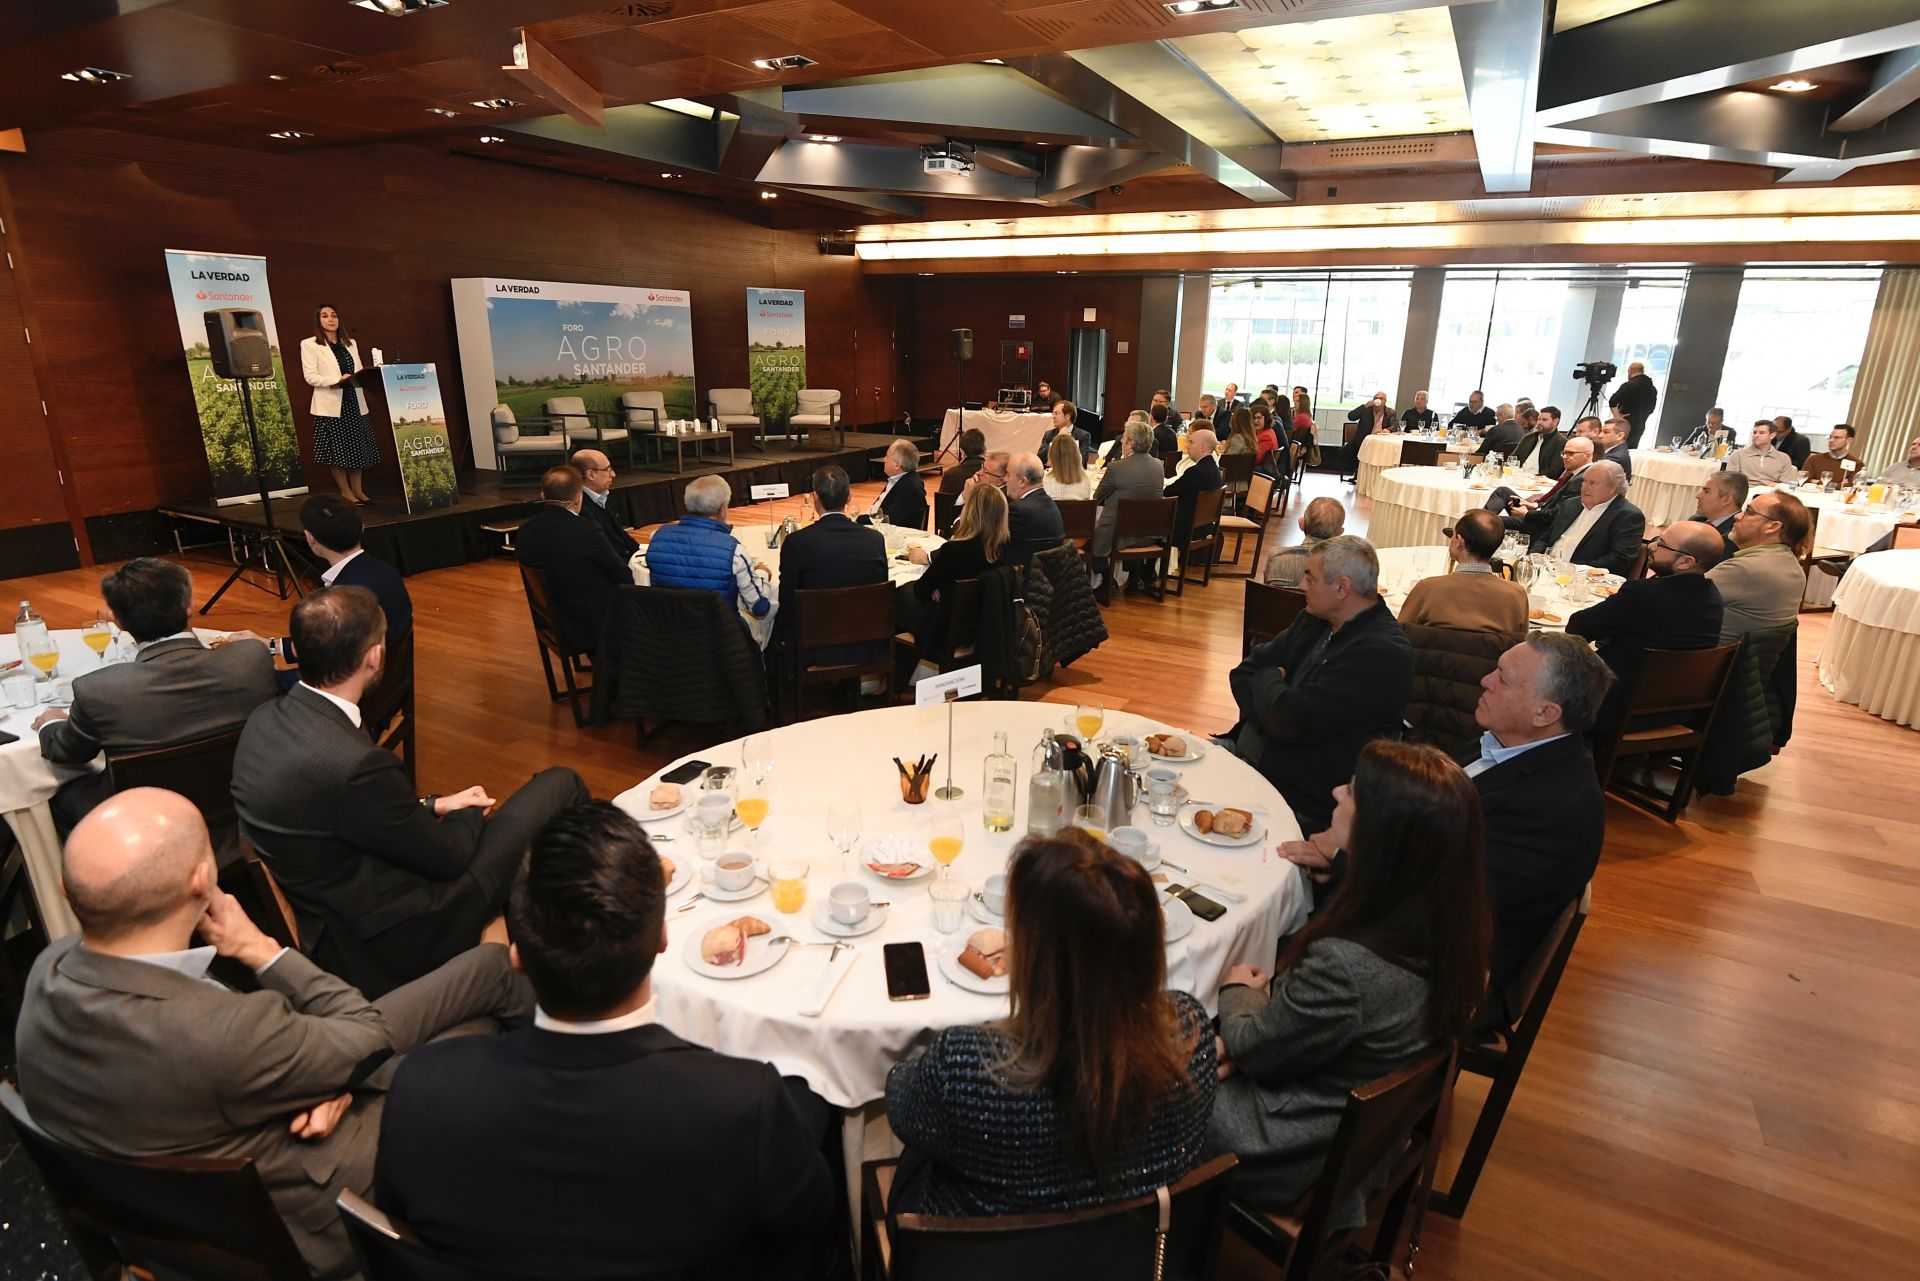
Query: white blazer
point(323, 373)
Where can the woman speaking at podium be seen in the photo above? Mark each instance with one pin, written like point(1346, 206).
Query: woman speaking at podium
point(342, 432)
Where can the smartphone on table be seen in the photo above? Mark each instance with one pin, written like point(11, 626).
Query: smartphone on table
point(906, 972)
point(684, 773)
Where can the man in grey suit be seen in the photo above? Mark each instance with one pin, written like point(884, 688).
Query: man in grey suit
point(174, 691)
point(128, 1046)
point(385, 885)
point(1137, 474)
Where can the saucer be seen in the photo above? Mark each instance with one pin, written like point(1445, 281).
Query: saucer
point(713, 891)
point(824, 922)
point(984, 914)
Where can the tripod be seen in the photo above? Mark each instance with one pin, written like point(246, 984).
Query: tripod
point(1592, 406)
point(960, 414)
point(271, 542)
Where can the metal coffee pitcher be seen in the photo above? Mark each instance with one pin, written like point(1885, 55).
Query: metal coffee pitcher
point(1115, 787)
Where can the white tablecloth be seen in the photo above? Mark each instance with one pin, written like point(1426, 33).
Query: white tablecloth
point(845, 1054)
point(754, 539)
point(1402, 567)
point(1014, 432)
point(1665, 485)
point(1411, 505)
point(1378, 452)
point(1844, 526)
point(1872, 652)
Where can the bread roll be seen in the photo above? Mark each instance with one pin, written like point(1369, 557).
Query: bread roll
point(664, 797)
point(1203, 820)
point(1232, 822)
point(724, 945)
point(974, 961)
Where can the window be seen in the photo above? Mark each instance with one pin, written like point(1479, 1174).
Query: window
point(1795, 347)
point(1649, 323)
point(1523, 340)
point(1338, 337)
point(1460, 345)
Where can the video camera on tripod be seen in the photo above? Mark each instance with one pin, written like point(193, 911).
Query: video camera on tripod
point(1596, 374)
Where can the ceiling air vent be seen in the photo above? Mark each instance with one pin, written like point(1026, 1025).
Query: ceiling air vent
point(1389, 152)
point(656, 9)
point(340, 70)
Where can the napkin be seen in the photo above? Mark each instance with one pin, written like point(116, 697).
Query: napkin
point(814, 997)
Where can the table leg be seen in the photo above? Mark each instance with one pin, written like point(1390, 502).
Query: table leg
point(40, 845)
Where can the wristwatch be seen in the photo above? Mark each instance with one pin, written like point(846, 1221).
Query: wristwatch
point(427, 801)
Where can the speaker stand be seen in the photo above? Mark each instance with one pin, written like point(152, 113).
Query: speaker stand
point(272, 548)
point(959, 418)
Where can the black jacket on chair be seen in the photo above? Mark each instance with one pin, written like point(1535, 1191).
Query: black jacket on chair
point(678, 653)
point(1033, 525)
point(622, 1154)
point(831, 552)
point(610, 524)
point(582, 570)
point(1544, 821)
point(1613, 544)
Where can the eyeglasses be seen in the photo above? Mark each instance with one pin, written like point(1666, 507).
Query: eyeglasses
point(607, 469)
point(1751, 510)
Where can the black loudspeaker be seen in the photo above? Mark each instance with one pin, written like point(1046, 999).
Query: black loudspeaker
point(963, 344)
point(237, 343)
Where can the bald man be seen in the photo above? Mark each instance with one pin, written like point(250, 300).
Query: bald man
point(129, 1046)
point(1677, 607)
point(596, 469)
point(1635, 401)
point(1198, 474)
point(1033, 519)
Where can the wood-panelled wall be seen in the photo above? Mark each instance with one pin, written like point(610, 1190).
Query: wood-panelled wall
point(378, 231)
point(1051, 304)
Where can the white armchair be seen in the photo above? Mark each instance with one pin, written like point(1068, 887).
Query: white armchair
point(733, 406)
point(510, 443)
point(820, 407)
point(570, 417)
point(643, 410)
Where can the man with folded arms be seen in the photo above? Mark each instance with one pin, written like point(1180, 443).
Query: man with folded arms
point(1760, 462)
point(596, 1143)
point(1539, 453)
point(174, 691)
point(129, 1045)
point(1337, 678)
point(385, 885)
point(1603, 530)
point(1762, 582)
point(1790, 442)
point(1613, 445)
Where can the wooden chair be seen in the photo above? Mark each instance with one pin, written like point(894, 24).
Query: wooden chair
point(946, 510)
point(388, 1250)
point(825, 616)
point(1236, 472)
point(1681, 688)
point(1202, 539)
point(1078, 516)
point(1266, 497)
point(201, 771)
point(963, 628)
point(17, 949)
point(265, 902)
point(546, 630)
point(1639, 567)
point(1146, 518)
point(1505, 1058)
point(1297, 462)
point(1906, 537)
point(1118, 1240)
point(387, 709)
point(1393, 1122)
point(1421, 453)
point(1170, 461)
point(1268, 611)
point(162, 1216)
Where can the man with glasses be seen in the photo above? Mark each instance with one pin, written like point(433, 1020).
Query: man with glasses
point(993, 470)
point(1762, 583)
point(1678, 607)
point(597, 470)
point(1837, 462)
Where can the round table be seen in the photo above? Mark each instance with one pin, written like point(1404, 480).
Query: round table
point(1872, 654)
point(845, 1053)
point(1665, 484)
point(1381, 451)
point(1840, 526)
point(1411, 505)
point(754, 539)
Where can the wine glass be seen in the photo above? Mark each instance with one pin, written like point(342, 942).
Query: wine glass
point(44, 653)
point(1089, 714)
point(947, 836)
point(98, 635)
point(756, 801)
point(844, 823)
point(756, 756)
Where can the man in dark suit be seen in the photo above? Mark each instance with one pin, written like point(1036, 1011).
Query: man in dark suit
point(1336, 679)
point(1504, 438)
point(174, 691)
point(596, 469)
point(904, 500)
point(973, 448)
point(580, 565)
point(1603, 530)
point(1535, 516)
point(1136, 475)
point(1538, 453)
point(333, 528)
point(1614, 447)
point(1792, 443)
point(132, 1044)
point(1635, 402)
point(831, 552)
point(1544, 817)
point(385, 885)
point(1223, 414)
point(1200, 476)
point(1166, 438)
point(596, 1143)
point(1065, 414)
point(1033, 518)
point(1677, 608)
point(1717, 503)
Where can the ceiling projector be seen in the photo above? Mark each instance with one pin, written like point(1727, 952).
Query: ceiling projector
point(947, 160)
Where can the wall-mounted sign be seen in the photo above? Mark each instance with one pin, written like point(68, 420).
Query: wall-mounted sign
point(1017, 322)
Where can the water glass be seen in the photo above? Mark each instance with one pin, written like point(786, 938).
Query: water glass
point(18, 687)
point(1163, 802)
point(949, 899)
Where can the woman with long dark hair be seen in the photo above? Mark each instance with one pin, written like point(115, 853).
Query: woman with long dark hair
point(1240, 437)
point(1265, 438)
point(342, 430)
point(1096, 1086)
point(1393, 966)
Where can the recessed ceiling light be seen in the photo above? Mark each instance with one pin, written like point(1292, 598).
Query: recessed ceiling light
point(665, 174)
point(1793, 86)
point(823, 137)
point(769, 195)
point(491, 137)
point(397, 8)
point(95, 76)
point(289, 135)
point(1187, 8)
point(786, 62)
point(498, 104)
point(443, 111)
point(276, 76)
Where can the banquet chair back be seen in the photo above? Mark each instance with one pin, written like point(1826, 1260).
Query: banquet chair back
point(1677, 695)
point(963, 627)
point(546, 631)
point(1505, 1058)
point(1906, 537)
point(946, 510)
point(1639, 567)
point(1170, 461)
point(1116, 1240)
point(1203, 539)
point(387, 709)
point(1266, 496)
point(210, 1219)
point(29, 933)
point(1078, 516)
point(1146, 518)
point(388, 1250)
point(854, 626)
point(201, 771)
point(1420, 453)
point(1391, 1123)
point(1236, 472)
point(1268, 611)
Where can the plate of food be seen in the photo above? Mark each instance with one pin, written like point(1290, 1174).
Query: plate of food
point(1543, 618)
point(1605, 589)
point(1179, 918)
point(898, 858)
point(977, 961)
point(733, 947)
point(1176, 749)
point(1221, 825)
point(648, 802)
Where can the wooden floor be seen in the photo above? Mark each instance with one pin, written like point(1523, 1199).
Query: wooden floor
point(1726, 1086)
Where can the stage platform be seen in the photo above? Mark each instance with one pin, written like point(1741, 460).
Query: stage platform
point(458, 534)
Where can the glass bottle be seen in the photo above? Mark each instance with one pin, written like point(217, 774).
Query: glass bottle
point(1001, 777)
point(1047, 789)
point(28, 625)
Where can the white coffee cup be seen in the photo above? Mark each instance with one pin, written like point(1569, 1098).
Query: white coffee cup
point(733, 871)
point(849, 903)
point(1136, 844)
point(994, 892)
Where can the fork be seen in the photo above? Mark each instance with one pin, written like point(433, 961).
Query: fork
point(791, 941)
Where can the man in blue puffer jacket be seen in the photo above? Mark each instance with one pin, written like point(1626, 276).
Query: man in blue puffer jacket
point(699, 550)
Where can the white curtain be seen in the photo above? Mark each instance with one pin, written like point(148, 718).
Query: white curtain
point(1886, 390)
